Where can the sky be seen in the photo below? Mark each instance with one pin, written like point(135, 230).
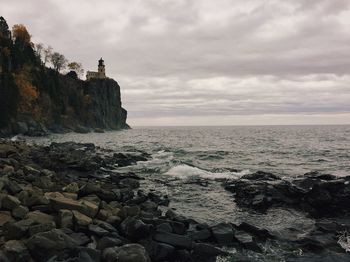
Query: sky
point(204, 62)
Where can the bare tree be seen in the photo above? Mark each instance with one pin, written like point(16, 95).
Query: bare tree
point(39, 50)
point(58, 61)
point(77, 68)
point(47, 54)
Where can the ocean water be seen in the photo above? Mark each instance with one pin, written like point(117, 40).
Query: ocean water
point(189, 164)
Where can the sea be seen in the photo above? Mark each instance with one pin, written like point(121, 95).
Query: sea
point(189, 164)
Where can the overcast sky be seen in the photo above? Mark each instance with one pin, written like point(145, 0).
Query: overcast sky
point(205, 62)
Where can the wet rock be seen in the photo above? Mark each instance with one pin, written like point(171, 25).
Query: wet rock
point(8, 170)
point(203, 250)
point(10, 202)
point(175, 240)
point(47, 244)
point(126, 253)
point(16, 251)
point(58, 202)
point(247, 241)
point(20, 212)
point(223, 233)
point(71, 188)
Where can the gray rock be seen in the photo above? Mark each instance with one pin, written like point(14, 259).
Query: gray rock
point(20, 212)
point(126, 253)
point(47, 244)
point(223, 233)
point(17, 230)
point(10, 202)
point(206, 250)
point(16, 251)
point(106, 242)
point(96, 230)
point(134, 229)
point(165, 227)
point(65, 218)
point(175, 240)
point(247, 241)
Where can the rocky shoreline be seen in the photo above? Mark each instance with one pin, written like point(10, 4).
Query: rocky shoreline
point(69, 202)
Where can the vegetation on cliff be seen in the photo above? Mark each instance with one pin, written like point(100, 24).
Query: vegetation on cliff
point(35, 97)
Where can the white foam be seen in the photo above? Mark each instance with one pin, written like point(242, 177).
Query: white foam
point(187, 172)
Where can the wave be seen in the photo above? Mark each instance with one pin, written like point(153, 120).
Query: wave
point(184, 171)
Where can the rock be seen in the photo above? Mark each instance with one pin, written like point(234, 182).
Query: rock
point(165, 227)
point(129, 183)
point(41, 218)
point(89, 189)
point(131, 211)
point(43, 182)
point(80, 238)
point(16, 251)
point(201, 235)
point(91, 208)
point(5, 217)
point(126, 253)
point(247, 241)
point(71, 188)
point(44, 245)
point(106, 242)
point(81, 220)
point(20, 212)
point(10, 202)
point(99, 231)
point(34, 229)
point(134, 229)
point(158, 251)
point(8, 170)
point(99, 130)
point(223, 233)
point(202, 250)
point(6, 150)
point(259, 232)
point(65, 218)
point(17, 230)
point(58, 202)
point(175, 240)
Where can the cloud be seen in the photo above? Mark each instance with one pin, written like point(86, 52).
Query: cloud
point(198, 59)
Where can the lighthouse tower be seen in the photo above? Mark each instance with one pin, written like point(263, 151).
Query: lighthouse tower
point(101, 69)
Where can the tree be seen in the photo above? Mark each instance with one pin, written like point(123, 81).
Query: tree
point(21, 35)
point(77, 68)
point(4, 28)
point(39, 49)
point(58, 61)
point(47, 53)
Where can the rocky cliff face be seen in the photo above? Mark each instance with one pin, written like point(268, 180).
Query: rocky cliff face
point(105, 108)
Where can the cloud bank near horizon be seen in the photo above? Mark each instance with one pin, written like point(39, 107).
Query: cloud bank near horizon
point(226, 62)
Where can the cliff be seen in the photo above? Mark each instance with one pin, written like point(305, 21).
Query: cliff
point(35, 99)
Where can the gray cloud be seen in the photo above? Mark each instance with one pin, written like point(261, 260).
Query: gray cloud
point(178, 59)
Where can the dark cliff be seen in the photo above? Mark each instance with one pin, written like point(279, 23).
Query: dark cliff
point(35, 99)
point(105, 105)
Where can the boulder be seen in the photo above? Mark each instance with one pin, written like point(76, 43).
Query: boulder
point(106, 242)
point(10, 202)
point(247, 241)
point(203, 250)
point(5, 216)
point(126, 253)
point(80, 220)
point(43, 246)
point(20, 212)
point(134, 229)
point(179, 241)
point(41, 218)
point(17, 230)
point(223, 233)
point(16, 251)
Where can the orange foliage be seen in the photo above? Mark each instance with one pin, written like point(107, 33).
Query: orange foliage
point(20, 32)
point(28, 96)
